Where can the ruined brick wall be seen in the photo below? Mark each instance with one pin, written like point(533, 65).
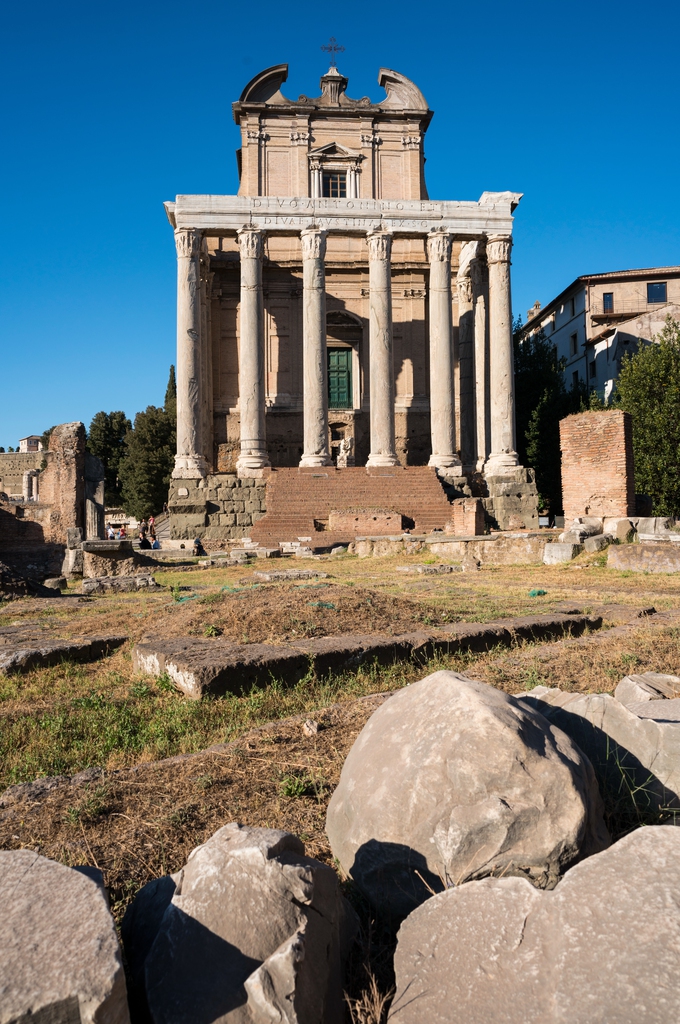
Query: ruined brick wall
point(62, 482)
point(467, 518)
point(13, 465)
point(597, 464)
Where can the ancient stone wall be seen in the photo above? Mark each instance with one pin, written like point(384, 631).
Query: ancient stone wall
point(225, 508)
point(13, 465)
point(62, 482)
point(597, 464)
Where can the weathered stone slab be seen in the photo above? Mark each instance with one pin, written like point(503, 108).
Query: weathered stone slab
point(119, 584)
point(595, 544)
point(622, 745)
point(281, 575)
point(56, 583)
point(429, 570)
point(604, 946)
point(14, 585)
point(451, 779)
point(255, 932)
point(652, 557)
point(644, 686)
point(37, 654)
point(341, 653)
point(199, 667)
point(59, 952)
point(561, 552)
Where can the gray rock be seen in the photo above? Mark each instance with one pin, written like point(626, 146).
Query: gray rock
point(73, 562)
point(74, 537)
point(556, 553)
point(599, 543)
point(21, 657)
point(451, 780)
point(644, 686)
point(655, 525)
point(627, 747)
point(58, 948)
point(625, 531)
point(255, 932)
point(56, 583)
point(119, 584)
point(604, 946)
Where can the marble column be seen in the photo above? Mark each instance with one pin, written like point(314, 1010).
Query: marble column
point(189, 461)
point(503, 457)
point(314, 358)
point(253, 458)
point(481, 357)
point(381, 360)
point(442, 401)
point(206, 357)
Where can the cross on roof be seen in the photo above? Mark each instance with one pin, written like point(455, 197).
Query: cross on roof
point(333, 48)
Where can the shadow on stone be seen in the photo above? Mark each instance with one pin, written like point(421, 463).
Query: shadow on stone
point(396, 876)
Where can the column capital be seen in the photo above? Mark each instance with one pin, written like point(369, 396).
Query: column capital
point(498, 248)
point(251, 243)
point(379, 245)
point(188, 242)
point(439, 247)
point(313, 243)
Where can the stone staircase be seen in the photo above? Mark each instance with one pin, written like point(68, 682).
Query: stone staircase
point(299, 501)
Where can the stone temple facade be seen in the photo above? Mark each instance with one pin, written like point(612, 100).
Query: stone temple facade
point(331, 316)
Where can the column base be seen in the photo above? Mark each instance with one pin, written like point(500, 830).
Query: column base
point(444, 462)
point(189, 467)
point(500, 463)
point(313, 461)
point(382, 461)
point(252, 464)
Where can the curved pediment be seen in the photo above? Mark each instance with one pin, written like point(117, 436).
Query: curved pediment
point(266, 86)
point(402, 93)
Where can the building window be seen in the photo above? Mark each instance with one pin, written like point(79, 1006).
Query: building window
point(574, 344)
point(574, 379)
point(656, 292)
point(553, 322)
point(608, 302)
point(573, 306)
point(592, 369)
point(340, 378)
point(334, 185)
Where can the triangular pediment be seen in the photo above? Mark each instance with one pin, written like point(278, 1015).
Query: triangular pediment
point(334, 149)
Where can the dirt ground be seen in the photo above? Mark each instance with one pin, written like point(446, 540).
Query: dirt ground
point(131, 787)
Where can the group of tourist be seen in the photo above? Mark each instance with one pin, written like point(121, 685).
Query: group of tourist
point(147, 534)
point(113, 534)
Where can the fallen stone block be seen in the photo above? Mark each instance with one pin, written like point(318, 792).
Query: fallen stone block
point(629, 750)
point(594, 544)
point(59, 952)
point(499, 949)
point(119, 584)
point(652, 557)
point(198, 667)
point(282, 575)
point(429, 570)
point(453, 780)
point(268, 552)
point(561, 552)
point(56, 583)
point(15, 585)
point(253, 932)
point(39, 654)
point(642, 686)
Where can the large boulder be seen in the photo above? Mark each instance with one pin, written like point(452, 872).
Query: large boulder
point(58, 947)
point(452, 780)
point(634, 748)
point(251, 931)
point(604, 946)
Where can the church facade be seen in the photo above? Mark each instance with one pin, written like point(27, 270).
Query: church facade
point(332, 316)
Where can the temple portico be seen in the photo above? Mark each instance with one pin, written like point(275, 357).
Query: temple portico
point(331, 314)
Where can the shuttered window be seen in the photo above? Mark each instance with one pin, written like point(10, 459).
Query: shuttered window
point(340, 378)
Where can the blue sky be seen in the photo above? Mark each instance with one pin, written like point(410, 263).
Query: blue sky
point(108, 110)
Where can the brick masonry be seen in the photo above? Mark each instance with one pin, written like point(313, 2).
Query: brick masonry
point(467, 518)
point(597, 464)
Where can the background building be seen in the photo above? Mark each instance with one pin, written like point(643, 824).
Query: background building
point(600, 317)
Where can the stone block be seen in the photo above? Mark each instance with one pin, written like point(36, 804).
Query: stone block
point(73, 562)
point(243, 519)
point(642, 686)
point(200, 667)
point(227, 519)
point(652, 557)
point(556, 553)
point(499, 949)
point(448, 782)
point(74, 537)
point(29, 654)
point(57, 583)
point(254, 932)
point(655, 524)
point(594, 544)
point(58, 947)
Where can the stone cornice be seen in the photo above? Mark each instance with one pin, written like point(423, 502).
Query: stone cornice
point(225, 215)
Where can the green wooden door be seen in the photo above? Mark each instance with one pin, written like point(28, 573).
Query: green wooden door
point(340, 378)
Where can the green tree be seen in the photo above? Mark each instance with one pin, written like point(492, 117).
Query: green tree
point(150, 448)
point(541, 401)
point(106, 439)
point(648, 388)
